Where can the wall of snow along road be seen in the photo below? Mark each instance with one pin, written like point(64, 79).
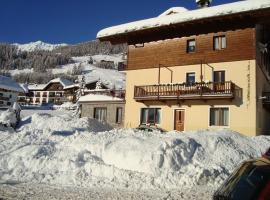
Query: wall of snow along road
point(64, 150)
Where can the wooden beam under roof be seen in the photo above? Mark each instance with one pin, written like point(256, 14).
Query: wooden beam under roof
point(185, 29)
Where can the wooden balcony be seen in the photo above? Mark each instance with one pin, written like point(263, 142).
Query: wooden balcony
point(185, 91)
point(4, 98)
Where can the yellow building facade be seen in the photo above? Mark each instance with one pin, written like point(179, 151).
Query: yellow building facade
point(206, 73)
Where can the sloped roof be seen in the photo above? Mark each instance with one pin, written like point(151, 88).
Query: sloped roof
point(173, 10)
point(24, 87)
point(9, 84)
point(192, 15)
point(64, 82)
point(36, 86)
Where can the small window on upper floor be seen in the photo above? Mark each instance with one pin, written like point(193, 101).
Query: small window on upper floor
point(190, 78)
point(191, 46)
point(220, 42)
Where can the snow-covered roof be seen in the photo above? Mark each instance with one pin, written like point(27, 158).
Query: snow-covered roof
point(9, 84)
point(36, 86)
point(192, 15)
point(173, 10)
point(72, 86)
point(62, 81)
point(24, 87)
point(98, 97)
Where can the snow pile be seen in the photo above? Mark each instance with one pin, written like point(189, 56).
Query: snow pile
point(66, 106)
point(63, 124)
point(62, 150)
point(221, 10)
point(8, 118)
point(37, 46)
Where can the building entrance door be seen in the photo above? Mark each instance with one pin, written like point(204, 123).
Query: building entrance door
point(179, 120)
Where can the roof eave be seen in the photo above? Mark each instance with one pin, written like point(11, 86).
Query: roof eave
point(250, 18)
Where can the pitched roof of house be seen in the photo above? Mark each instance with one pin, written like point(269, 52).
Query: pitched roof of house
point(64, 82)
point(188, 16)
point(98, 97)
point(9, 84)
point(24, 87)
point(36, 86)
point(173, 10)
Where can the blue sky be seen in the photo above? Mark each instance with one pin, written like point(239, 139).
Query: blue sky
point(74, 21)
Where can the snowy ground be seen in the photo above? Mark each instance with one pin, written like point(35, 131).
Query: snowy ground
point(61, 157)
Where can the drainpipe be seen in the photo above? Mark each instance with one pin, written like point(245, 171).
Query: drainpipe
point(201, 78)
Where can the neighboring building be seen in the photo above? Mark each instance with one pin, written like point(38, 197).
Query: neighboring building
point(9, 90)
point(56, 91)
point(104, 108)
point(98, 87)
point(204, 68)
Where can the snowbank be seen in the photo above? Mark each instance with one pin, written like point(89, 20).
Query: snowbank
point(65, 106)
point(63, 124)
point(63, 150)
point(8, 118)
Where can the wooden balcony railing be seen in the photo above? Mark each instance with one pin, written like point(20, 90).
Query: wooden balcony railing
point(4, 98)
point(185, 91)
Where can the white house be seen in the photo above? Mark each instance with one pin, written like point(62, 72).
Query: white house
point(9, 90)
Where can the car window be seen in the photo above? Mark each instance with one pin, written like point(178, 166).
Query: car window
point(250, 184)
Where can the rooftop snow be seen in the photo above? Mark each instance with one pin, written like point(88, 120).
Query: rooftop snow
point(62, 81)
point(24, 87)
point(36, 86)
point(221, 10)
point(173, 10)
point(98, 97)
point(9, 84)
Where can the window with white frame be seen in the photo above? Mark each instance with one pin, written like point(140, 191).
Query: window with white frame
point(150, 115)
point(220, 42)
point(219, 116)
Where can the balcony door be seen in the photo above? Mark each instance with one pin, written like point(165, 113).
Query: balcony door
point(179, 120)
point(219, 81)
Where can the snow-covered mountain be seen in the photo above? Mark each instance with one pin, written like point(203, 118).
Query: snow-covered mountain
point(38, 45)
